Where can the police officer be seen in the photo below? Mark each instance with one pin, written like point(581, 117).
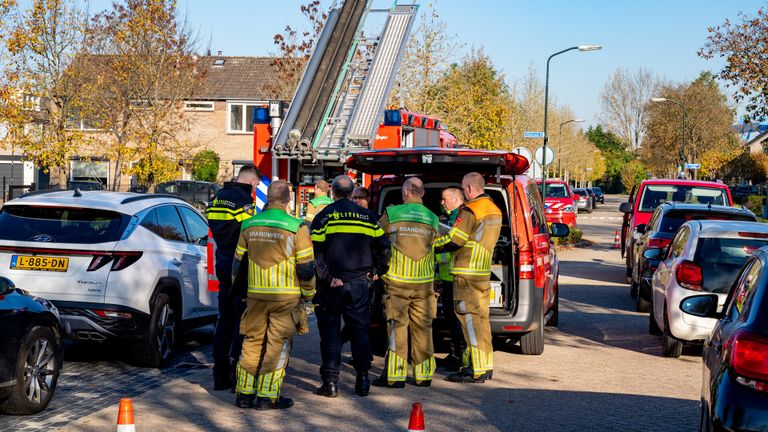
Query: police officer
point(349, 248)
point(281, 271)
point(452, 200)
point(473, 236)
point(319, 202)
point(410, 301)
point(231, 205)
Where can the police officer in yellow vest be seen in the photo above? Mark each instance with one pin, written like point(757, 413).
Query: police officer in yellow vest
point(281, 272)
point(319, 202)
point(473, 237)
point(410, 300)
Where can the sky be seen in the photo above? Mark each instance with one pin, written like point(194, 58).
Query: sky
point(662, 36)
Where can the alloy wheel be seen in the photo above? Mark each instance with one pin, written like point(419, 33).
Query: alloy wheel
point(40, 370)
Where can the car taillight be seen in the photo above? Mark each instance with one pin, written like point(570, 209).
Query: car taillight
point(689, 275)
point(99, 261)
point(111, 314)
point(526, 265)
point(658, 243)
point(124, 259)
point(749, 358)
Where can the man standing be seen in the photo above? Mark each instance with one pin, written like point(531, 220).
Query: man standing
point(409, 300)
point(319, 202)
point(281, 270)
point(473, 237)
point(349, 249)
point(452, 199)
point(231, 205)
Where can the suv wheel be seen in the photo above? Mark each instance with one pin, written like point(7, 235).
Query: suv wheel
point(553, 320)
point(671, 346)
point(157, 349)
point(37, 371)
point(532, 343)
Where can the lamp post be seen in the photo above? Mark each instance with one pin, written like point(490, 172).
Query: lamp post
point(560, 144)
point(546, 103)
point(683, 158)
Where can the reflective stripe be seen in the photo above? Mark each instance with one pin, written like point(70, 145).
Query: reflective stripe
point(404, 269)
point(470, 271)
point(269, 384)
point(470, 328)
point(278, 279)
point(319, 235)
point(240, 251)
point(424, 370)
point(246, 383)
point(307, 293)
point(304, 253)
point(397, 369)
point(223, 214)
point(458, 233)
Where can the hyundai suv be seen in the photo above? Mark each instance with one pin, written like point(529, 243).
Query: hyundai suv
point(118, 266)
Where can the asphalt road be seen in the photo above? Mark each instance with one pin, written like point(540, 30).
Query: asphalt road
point(600, 370)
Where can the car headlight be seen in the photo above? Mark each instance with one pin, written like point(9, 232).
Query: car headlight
point(568, 209)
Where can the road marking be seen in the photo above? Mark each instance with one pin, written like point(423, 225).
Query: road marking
point(601, 217)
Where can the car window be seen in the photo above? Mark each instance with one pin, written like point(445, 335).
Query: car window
point(165, 222)
point(654, 195)
point(722, 258)
point(743, 293)
point(169, 188)
point(196, 226)
point(557, 190)
point(675, 219)
point(654, 222)
point(61, 224)
point(538, 219)
point(678, 243)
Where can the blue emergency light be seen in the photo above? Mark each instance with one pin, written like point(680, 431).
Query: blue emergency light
point(392, 118)
point(261, 115)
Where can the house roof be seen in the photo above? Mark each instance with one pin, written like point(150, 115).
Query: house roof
point(237, 78)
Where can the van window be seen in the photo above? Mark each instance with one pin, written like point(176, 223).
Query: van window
point(538, 218)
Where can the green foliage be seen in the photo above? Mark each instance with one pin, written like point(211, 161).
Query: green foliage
point(205, 166)
point(755, 204)
point(574, 236)
point(616, 156)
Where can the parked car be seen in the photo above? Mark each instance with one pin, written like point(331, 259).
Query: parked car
point(704, 256)
point(592, 196)
point(734, 390)
point(197, 193)
point(31, 351)
point(599, 196)
point(119, 266)
point(524, 281)
point(560, 202)
point(583, 200)
point(652, 240)
point(644, 199)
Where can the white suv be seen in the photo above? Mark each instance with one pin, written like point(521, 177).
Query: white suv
point(117, 265)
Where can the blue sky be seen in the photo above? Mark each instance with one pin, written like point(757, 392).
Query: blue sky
point(662, 36)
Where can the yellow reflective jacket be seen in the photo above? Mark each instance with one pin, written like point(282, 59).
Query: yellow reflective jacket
point(412, 230)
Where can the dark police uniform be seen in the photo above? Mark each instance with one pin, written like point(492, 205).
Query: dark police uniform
point(229, 208)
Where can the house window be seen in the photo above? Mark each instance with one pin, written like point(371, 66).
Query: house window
point(198, 105)
point(240, 116)
point(74, 121)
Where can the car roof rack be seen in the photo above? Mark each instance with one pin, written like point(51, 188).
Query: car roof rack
point(140, 197)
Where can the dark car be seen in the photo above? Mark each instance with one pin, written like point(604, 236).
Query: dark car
point(197, 193)
point(85, 185)
point(593, 196)
point(652, 240)
point(599, 195)
point(734, 391)
point(30, 350)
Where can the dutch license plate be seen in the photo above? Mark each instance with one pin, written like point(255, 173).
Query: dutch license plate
point(39, 263)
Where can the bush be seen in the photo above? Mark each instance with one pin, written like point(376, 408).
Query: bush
point(205, 166)
point(755, 204)
point(573, 237)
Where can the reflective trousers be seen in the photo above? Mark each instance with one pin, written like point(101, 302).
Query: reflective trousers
point(268, 327)
point(472, 305)
point(410, 311)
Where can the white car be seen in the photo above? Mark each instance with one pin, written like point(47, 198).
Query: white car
point(118, 266)
point(705, 256)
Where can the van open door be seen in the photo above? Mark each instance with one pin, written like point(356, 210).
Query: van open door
point(437, 161)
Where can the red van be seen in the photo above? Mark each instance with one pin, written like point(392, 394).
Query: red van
point(525, 268)
point(560, 202)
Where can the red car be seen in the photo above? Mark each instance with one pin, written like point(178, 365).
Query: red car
point(644, 199)
point(560, 203)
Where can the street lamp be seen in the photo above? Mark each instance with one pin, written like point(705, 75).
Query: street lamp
point(546, 103)
point(683, 158)
point(560, 144)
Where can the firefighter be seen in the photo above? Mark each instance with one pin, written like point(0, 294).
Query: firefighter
point(232, 205)
point(410, 301)
point(473, 237)
point(350, 250)
point(452, 200)
point(319, 202)
point(281, 272)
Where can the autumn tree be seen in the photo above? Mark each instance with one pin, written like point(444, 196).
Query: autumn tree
point(743, 46)
point(143, 67)
point(633, 173)
point(624, 100)
point(616, 155)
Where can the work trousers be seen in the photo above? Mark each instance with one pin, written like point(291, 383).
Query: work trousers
point(268, 327)
point(226, 337)
point(458, 344)
point(349, 302)
point(410, 310)
point(471, 303)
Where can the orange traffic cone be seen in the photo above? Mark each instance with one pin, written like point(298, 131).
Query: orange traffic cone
point(416, 422)
point(125, 416)
point(616, 241)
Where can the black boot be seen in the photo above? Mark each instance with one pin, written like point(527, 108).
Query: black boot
point(465, 376)
point(263, 403)
point(244, 400)
point(423, 383)
point(382, 382)
point(328, 390)
point(362, 384)
point(489, 375)
point(222, 383)
point(450, 363)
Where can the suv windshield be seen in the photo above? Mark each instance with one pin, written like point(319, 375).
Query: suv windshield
point(653, 195)
point(61, 224)
point(721, 259)
point(557, 191)
point(674, 219)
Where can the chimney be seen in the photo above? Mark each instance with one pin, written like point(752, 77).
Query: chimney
point(219, 54)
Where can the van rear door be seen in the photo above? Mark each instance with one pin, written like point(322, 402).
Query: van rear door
point(437, 161)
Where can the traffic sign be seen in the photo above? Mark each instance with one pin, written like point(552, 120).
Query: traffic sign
point(550, 155)
point(533, 134)
point(692, 166)
point(522, 151)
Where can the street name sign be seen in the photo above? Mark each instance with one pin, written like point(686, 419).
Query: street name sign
point(533, 134)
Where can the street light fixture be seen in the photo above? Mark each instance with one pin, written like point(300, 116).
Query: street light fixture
point(560, 144)
point(546, 104)
point(683, 157)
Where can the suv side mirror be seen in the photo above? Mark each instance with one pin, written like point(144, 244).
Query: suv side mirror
point(625, 207)
point(557, 229)
point(6, 286)
point(704, 306)
point(641, 228)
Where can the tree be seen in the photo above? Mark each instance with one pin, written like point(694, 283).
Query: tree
point(615, 153)
point(632, 173)
point(143, 68)
point(742, 45)
point(624, 100)
point(205, 166)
